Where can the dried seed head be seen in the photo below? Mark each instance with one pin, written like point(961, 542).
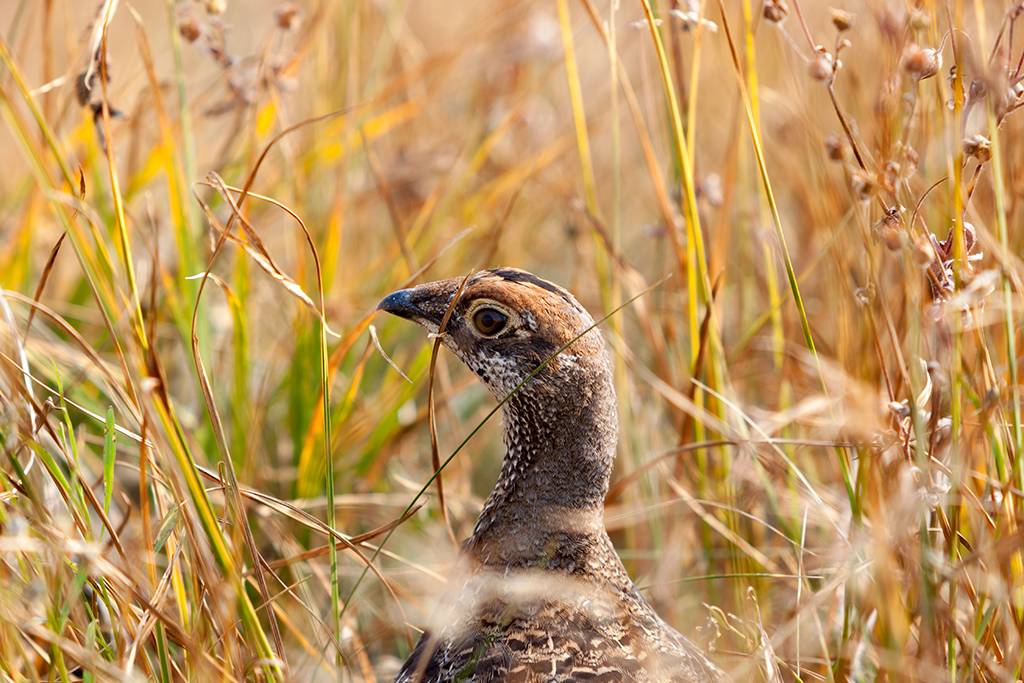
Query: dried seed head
point(977, 91)
point(890, 174)
point(843, 20)
point(947, 247)
point(892, 237)
point(1009, 102)
point(888, 96)
point(85, 82)
point(979, 147)
point(887, 230)
point(970, 237)
point(863, 185)
point(899, 409)
point(864, 295)
point(910, 161)
point(977, 288)
point(921, 63)
point(188, 27)
point(951, 79)
point(287, 15)
point(775, 11)
point(822, 67)
point(836, 148)
point(924, 252)
point(103, 71)
point(710, 189)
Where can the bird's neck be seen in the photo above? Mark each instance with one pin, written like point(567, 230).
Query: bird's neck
point(548, 504)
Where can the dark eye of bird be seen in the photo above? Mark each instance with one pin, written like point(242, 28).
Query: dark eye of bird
point(489, 321)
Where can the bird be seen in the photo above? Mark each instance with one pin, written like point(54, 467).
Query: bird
point(540, 594)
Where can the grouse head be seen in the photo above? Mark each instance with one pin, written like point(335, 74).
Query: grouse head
point(505, 325)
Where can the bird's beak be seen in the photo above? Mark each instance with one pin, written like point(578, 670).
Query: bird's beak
point(424, 304)
point(401, 304)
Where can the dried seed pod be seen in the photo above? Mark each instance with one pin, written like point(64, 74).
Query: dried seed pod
point(287, 15)
point(888, 96)
point(977, 91)
point(924, 252)
point(843, 20)
point(864, 295)
point(836, 148)
point(1008, 102)
point(710, 189)
point(921, 63)
point(946, 248)
point(970, 236)
point(822, 67)
point(775, 11)
point(888, 231)
point(979, 147)
point(890, 174)
point(863, 185)
point(893, 237)
point(910, 161)
point(188, 27)
point(899, 409)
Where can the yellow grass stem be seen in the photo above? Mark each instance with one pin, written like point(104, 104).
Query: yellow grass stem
point(579, 117)
point(771, 275)
point(697, 260)
point(127, 258)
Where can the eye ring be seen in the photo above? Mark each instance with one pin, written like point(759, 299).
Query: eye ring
point(489, 321)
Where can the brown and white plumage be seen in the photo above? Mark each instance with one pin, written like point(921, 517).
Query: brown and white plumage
point(543, 597)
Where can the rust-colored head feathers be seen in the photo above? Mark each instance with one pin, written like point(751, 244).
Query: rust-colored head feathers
point(506, 323)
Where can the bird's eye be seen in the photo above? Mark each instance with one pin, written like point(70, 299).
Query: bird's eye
point(489, 322)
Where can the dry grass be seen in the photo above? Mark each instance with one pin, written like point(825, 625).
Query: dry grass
point(821, 410)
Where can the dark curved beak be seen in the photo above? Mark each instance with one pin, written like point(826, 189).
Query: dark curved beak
point(400, 303)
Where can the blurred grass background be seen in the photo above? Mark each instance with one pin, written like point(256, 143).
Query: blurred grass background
point(819, 472)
